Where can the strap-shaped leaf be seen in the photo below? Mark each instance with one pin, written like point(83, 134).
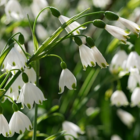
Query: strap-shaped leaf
point(4, 54)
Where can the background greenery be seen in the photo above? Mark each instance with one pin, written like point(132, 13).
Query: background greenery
point(95, 85)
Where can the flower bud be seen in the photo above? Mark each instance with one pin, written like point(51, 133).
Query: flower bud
point(63, 65)
point(55, 12)
point(90, 41)
point(15, 107)
point(78, 41)
point(111, 15)
point(25, 77)
point(99, 23)
point(21, 39)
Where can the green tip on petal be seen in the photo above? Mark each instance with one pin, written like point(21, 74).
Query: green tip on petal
point(73, 86)
point(29, 106)
point(30, 127)
point(84, 68)
point(40, 102)
point(10, 132)
point(92, 63)
point(60, 90)
point(103, 65)
point(20, 131)
point(7, 134)
point(14, 64)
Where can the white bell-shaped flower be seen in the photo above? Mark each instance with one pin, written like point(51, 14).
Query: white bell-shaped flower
point(13, 10)
point(14, 59)
point(125, 117)
point(99, 57)
point(29, 94)
point(118, 61)
point(87, 57)
point(135, 97)
point(31, 74)
point(118, 98)
point(130, 25)
point(37, 6)
point(133, 61)
point(117, 32)
point(134, 79)
point(66, 79)
point(13, 94)
point(115, 137)
point(72, 26)
point(71, 129)
point(19, 122)
point(4, 127)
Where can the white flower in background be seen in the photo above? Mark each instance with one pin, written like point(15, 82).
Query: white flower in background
point(13, 10)
point(115, 137)
point(117, 32)
point(2, 45)
point(19, 122)
point(37, 6)
point(66, 79)
point(41, 32)
point(3, 2)
point(130, 25)
point(24, 32)
point(4, 127)
point(134, 79)
point(118, 98)
point(71, 129)
point(31, 74)
point(30, 47)
point(133, 61)
point(99, 57)
point(101, 3)
point(125, 117)
point(118, 61)
point(29, 94)
point(14, 59)
point(87, 57)
point(13, 94)
point(72, 26)
point(135, 97)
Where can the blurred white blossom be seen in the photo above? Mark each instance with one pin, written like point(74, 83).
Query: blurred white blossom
point(115, 137)
point(125, 117)
point(135, 97)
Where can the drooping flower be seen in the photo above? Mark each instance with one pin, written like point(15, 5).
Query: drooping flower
point(133, 61)
point(115, 137)
point(66, 79)
point(135, 97)
point(2, 2)
point(14, 59)
point(134, 79)
point(19, 122)
point(71, 129)
point(87, 57)
point(72, 26)
point(29, 94)
point(130, 25)
point(117, 61)
point(117, 32)
point(118, 98)
point(125, 117)
point(4, 127)
point(13, 10)
point(99, 57)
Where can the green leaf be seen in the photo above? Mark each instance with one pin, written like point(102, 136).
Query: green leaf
point(4, 54)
